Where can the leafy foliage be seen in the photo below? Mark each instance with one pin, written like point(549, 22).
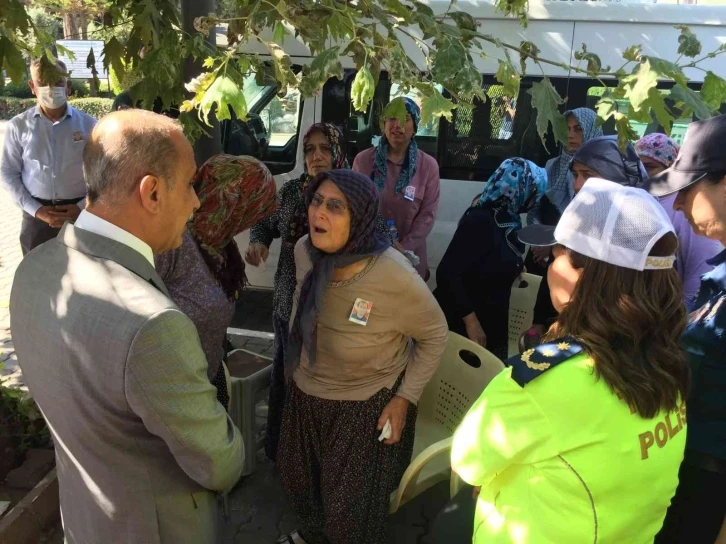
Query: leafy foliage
point(18, 90)
point(21, 427)
point(546, 100)
point(375, 35)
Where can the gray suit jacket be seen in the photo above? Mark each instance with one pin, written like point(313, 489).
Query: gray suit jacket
point(119, 374)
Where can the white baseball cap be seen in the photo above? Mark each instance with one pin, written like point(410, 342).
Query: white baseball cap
point(611, 223)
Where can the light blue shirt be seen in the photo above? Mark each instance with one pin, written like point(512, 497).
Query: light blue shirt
point(44, 159)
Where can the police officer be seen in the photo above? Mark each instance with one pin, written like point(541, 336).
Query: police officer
point(580, 439)
point(699, 177)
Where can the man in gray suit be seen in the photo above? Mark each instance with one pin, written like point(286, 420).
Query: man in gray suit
point(118, 371)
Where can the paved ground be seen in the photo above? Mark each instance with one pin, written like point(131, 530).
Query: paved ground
point(10, 256)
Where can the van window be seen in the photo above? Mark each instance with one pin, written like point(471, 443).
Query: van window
point(503, 112)
point(281, 117)
point(478, 138)
point(271, 130)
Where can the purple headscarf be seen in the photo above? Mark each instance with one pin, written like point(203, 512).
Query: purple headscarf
point(364, 241)
point(658, 147)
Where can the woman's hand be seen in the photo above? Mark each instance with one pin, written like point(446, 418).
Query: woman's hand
point(475, 492)
point(398, 246)
point(541, 254)
point(395, 411)
point(474, 330)
point(256, 253)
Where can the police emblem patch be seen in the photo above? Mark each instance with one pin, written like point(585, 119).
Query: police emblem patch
point(535, 361)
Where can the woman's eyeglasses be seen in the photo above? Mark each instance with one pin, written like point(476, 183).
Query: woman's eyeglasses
point(334, 206)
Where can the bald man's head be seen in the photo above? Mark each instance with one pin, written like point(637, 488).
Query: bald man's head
point(127, 145)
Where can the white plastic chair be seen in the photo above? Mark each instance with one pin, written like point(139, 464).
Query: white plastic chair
point(445, 401)
point(521, 309)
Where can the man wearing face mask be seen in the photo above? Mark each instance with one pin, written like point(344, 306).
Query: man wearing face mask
point(42, 164)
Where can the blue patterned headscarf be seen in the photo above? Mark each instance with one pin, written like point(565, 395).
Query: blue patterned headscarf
point(409, 164)
point(560, 177)
point(514, 188)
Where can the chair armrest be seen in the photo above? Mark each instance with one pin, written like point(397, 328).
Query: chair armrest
point(416, 466)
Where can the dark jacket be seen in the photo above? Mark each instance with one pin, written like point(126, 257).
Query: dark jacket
point(704, 342)
point(476, 275)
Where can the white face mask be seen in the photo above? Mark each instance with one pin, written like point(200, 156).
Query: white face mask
point(51, 97)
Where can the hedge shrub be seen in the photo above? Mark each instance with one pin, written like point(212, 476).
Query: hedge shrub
point(96, 107)
point(21, 90)
point(80, 88)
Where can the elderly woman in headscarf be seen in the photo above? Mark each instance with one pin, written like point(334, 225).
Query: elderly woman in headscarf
point(205, 275)
point(581, 127)
point(475, 276)
point(324, 149)
point(407, 179)
point(658, 152)
point(356, 375)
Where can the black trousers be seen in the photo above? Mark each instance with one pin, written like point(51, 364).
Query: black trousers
point(34, 232)
point(697, 510)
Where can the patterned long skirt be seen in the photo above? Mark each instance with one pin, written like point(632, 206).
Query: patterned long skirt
point(336, 473)
point(276, 400)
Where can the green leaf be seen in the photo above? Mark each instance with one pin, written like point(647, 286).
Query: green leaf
point(658, 106)
point(640, 116)
point(91, 63)
point(435, 105)
point(208, 62)
point(508, 77)
point(400, 67)
point(279, 35)
point(49, 72)
point(688, 44)
point(633, 53)
point(464, 21)
point(224, 93)
point(691, 101)
point(713, 91)
point(362, 89)
point(528, 50)
point(397, 8)
point(594, 64)
point(422, 8)
point(468, 83)
point(15, 16)
point(667, 69)
point(283, 66)
point(639, 84)
point(626, 134)
point(11, 60)
point(546, 100)
point(449, 58)
point(606, 108)
point(113, 55)
point(358, 51)
point(324, 66)
point(396, 109)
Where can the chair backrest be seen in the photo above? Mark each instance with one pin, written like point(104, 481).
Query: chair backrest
point(521, 309)
point(456, 384)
